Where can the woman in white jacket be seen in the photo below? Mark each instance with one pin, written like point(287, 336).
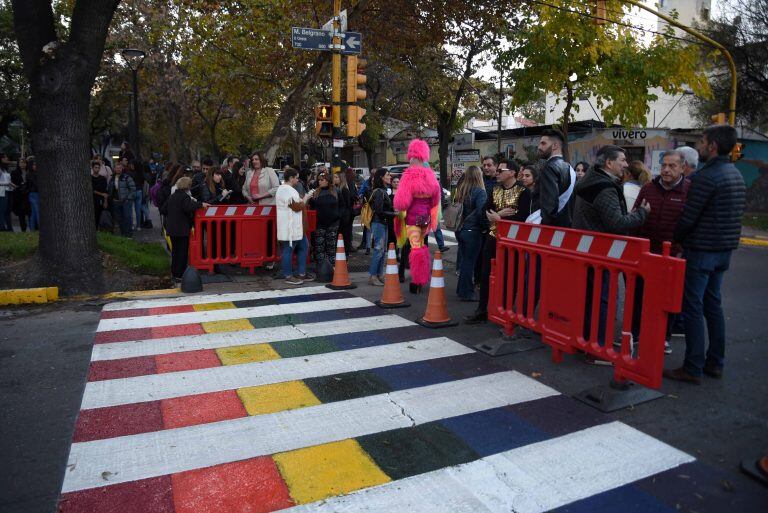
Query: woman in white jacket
point(290, 229)
point(261, 183)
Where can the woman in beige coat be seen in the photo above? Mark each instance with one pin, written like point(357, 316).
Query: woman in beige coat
point(261, 183)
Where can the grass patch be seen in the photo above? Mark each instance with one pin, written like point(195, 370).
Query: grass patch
point(17, 245)
point(143, 258)
point(759, 221)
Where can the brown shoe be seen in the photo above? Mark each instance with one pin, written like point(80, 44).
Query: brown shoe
point(713, 372)
point(682, 375)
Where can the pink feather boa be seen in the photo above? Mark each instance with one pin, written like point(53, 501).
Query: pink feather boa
point(419, 260)
point(417, 181)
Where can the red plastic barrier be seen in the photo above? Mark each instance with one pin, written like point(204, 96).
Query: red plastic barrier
point(571, 266)
point(244, 235)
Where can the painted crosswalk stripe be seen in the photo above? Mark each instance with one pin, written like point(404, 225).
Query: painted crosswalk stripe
point(100, 394)
point(151, 347)
point(147, 455)
point(152, 321)
point(530, 479)
point(215, 298)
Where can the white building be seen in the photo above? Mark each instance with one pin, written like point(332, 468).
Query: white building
point(668, 111)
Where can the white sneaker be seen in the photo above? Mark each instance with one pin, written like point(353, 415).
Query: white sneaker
point(667, 347)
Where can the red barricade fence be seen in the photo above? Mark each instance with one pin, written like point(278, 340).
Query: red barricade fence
point(565, 285)
point(244, 235)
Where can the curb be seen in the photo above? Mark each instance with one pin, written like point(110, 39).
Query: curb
point(26, 296)
point(131, 294)
point(748, 241)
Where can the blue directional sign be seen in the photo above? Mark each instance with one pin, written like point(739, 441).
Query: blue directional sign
point(353, 43)
point(311, 38)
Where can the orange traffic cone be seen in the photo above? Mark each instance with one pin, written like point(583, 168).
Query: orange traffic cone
point(341, 279)
point(436, 315)
point(391, 296)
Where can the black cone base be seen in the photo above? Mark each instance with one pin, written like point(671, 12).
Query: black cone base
point(752, 468)
point(509, 345)
point(608, 398)
point(404, 304)
point(435, 325)
point(342, 287)
point(191, 281)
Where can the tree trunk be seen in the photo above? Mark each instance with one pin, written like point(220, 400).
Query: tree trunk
point(61, 76)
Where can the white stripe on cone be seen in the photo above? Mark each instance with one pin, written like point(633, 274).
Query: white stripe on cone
point(391, 269)
point(437, 264)
point(341, 256)
point(340, 243)
point(437, 282)
point(391, 254)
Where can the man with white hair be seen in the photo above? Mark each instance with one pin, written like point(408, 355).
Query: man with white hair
point(690, 160)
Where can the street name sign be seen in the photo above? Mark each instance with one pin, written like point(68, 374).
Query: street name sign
point(311, 38)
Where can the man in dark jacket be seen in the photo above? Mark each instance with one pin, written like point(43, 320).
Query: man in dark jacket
point(600, 207)
point(709, 231)
point(180, 212)
point(554, 180)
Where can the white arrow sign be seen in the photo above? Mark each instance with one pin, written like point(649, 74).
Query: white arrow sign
point(353, 42)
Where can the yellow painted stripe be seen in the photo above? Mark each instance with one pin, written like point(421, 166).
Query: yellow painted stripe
point(222, 326)
point(246, 354)
point(141, 293)
point(328, 470)
point(277, 397)
point(748, 241)
point(204, 307)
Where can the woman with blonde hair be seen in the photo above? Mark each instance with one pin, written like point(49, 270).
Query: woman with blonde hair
point(471, 194)
point(635, 177)
point(261, 183)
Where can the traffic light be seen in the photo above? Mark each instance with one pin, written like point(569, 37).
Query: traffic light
point(736, 152)
point(324, 121)
point(718, 119)
point(355, 77)
point(600, 13)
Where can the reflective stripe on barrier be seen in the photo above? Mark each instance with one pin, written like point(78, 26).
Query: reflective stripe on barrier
point(569, 285)
point(237, 235)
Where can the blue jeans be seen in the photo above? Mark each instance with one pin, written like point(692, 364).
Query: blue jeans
point(301, 257)
point(379, 236)
point(34, 216)
point(439, 238)
point(701, 300)
point(470, 243)
point(121, 214)
point(137, 207)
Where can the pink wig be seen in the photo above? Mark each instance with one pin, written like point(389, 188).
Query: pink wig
point(418, 149)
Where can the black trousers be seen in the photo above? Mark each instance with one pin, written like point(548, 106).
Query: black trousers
point(179, 255)
point(488, 253)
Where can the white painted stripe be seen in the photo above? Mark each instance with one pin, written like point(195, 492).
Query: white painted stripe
point(617, 249)
point(153, 387)
point(391, 253)
point(153, 321)
point(266, 210)
point(215, 298)
point(437, 264)
point(584, 243)
point(557, 239)
point(129, 458)
point(437, 282)
point(341, 256)
point(530, 479)
point(392, 269)
point(211, 211)
point(534, 235)
point(249, 211)
point(151, 347)
point(512, 233)
point(449, 233)
point(230, 211)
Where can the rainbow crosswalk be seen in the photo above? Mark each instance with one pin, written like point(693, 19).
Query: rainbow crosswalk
point(315, 400)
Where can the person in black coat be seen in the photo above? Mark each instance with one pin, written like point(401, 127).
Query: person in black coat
point(180, 213)
point(554, 180)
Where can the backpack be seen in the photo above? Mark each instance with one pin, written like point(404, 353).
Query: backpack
point(366, 213)
point(452, 216)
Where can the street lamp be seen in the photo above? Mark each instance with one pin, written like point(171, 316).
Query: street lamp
point(134, 58)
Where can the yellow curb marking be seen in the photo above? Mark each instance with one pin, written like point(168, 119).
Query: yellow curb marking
point(277, 397)
point(26, 296)
point(753, 242)
point(328, 470)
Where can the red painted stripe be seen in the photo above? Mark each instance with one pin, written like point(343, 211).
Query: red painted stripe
point(103, 337)
point(177, 331)
point(188, 360)
point(162, 310)
point(201, 409)
point(142, 312)
point(153, 495)
point(127, 419)
point(248, 486)
point(124, 368)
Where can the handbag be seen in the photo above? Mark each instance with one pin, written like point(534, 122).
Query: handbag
point(452, 216)
point(357, 207)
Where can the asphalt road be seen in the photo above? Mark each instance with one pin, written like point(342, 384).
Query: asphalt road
point(44, 356)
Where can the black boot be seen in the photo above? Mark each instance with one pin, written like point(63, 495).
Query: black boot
point(476, 318)
point(415, 289)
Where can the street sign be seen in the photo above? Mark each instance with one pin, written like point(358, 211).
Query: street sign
point(342, 20)
point(353, 43)
point(467, 156)
point(311, 38)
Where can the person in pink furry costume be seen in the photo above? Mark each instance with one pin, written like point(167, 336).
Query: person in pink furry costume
point(419, 197)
